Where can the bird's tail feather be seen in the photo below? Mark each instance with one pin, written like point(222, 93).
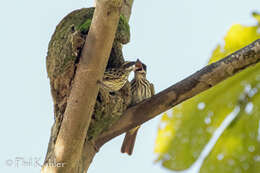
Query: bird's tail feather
point(129, 141)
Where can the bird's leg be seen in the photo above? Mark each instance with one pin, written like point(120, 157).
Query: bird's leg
point(108, 88)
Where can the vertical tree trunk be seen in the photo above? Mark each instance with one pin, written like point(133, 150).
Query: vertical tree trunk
point(59, 150)
point(89, 150)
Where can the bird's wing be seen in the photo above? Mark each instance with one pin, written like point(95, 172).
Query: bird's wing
point(110, 74)
point(152, 89)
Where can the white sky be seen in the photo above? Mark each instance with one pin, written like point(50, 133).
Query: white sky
point(174, 39)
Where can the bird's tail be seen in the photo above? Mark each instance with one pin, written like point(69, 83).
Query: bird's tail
point(129, 141)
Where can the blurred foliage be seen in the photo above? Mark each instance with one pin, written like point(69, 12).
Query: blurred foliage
point(183, 134)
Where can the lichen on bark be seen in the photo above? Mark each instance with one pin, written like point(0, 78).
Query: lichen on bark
point(61, 52)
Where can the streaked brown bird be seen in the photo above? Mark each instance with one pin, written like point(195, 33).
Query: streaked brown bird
point(141, 89)
point(115, 78)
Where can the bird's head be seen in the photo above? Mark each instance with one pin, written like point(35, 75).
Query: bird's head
point(140, 67)
point(129, 66)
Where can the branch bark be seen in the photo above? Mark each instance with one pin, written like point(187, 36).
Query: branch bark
point(70, 141)
point(127, 8)
point(198, 82)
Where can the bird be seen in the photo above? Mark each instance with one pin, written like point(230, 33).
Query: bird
point(141, 89)
point(115, 78)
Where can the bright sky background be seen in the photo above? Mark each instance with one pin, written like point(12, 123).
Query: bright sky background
point(174, 39)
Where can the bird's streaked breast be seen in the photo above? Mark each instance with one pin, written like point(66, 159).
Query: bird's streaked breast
point(140, 90)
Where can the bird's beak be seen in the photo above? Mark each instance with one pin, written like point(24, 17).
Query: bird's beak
point(138, 65)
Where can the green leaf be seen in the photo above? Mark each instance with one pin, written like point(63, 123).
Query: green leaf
point(183, 135)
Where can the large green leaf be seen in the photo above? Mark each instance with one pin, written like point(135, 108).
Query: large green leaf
point(183, 135)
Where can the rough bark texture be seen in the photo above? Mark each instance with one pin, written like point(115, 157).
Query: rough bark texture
point(200, 81)
point(75, 97)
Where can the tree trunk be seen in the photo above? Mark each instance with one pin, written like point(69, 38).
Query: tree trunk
point(64, 153)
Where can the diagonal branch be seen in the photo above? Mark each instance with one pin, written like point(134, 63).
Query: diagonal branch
point(198, 82)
